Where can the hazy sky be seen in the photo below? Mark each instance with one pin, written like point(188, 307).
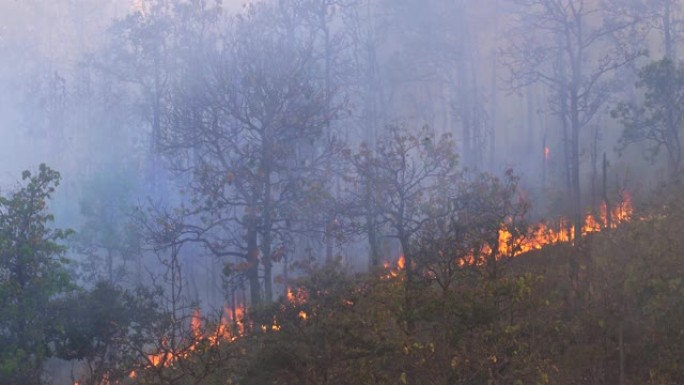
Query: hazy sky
point(228, 4)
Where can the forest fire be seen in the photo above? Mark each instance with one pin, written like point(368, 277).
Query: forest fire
point(297, 297)
point(401, 263)
point(540, 235)
point(393, 273)
point(544, 234)
point(232, 326)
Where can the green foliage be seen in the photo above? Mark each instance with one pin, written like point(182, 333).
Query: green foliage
point(349, 333)
point(354, 332)
point(106, 327)
point(639, 290)
point(32, 275)
point(528, 324)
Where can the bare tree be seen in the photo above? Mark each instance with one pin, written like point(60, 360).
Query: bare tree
point(665, 16)
point(146, 50)
point(571, 47)
point(659, 119)
point(247, 130)
point(485, 227)
point(176, 338)
point(406, 183)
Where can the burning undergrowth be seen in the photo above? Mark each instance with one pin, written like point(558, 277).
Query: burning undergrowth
point(343, 323)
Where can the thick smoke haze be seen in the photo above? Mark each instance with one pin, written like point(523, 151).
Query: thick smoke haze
point(237, 144)
point(89, 88)
point(433, 64)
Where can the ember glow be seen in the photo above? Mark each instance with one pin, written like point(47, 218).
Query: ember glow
point(230, 328)
point(233, 325)
point(401, 263)
point(544, 234)
point(393, 273)
point(297, 297)
point(540, 235)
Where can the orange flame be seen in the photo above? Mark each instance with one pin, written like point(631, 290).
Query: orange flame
point(275, 326)
point(196, 322)
point(538, 236)
point(297, 298)
point(238, 319)
point(393, 273)
point(401, 263)
point(544, 234)
point(232, 324)
point(223, 331)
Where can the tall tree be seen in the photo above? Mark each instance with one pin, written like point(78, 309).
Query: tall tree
point(32, 275)
point(246, 130)
point(484, 229)
point(435, 70)
point(571, 47)
point(659, 119)
point(146, 50)
point(666, 17)
point(406, 183)
point(107, 237)
point(361, 23)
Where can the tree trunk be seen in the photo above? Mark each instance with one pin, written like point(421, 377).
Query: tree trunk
point(372, 227)
point(594, 171)
point(575, 192)
point(373, 241)
point(267, 220)
point(267, 243)
point(667, 30)
point(253, 262)
point(606, 201)
point(493, 94)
